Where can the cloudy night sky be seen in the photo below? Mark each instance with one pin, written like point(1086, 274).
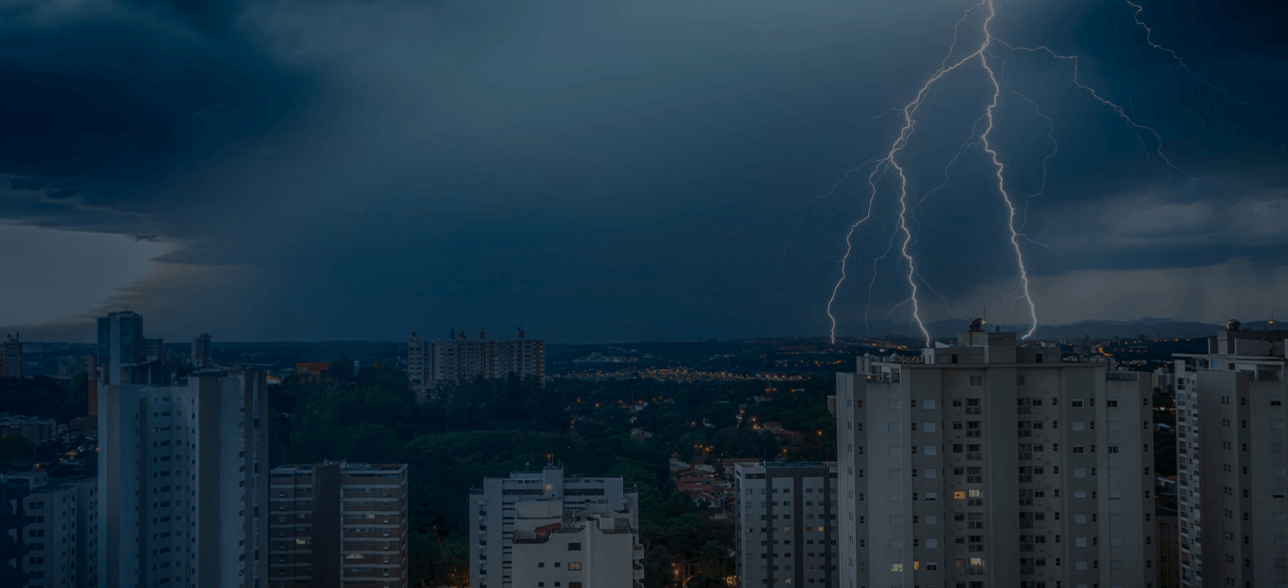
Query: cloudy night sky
point(613, 170)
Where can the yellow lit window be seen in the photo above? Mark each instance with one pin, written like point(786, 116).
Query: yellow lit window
point(896, 567)
point(977, 561)
point(959, 495)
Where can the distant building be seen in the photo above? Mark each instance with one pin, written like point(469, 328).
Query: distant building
point(182, 485)
point(542, 529)
point(34, 429)
point(156, 350)
point(337, 524)
point(71, 365)
point(1232, 490)
point(120, 344)
point(460, 359)
point(311, 372)
point(11, 357)
point(987, 463)
point(201, 356)
point(786, 531)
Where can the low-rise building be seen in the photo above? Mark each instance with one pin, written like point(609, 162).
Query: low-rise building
point(542, 529)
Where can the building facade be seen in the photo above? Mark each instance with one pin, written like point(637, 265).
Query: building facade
point(542, 529)
point(183, 481)
point(13, 527)
point(336, 524)
point(460, 359)
point(61, 547)
point(201, 357)
point(786, 524)
point(1230, 461)
point(990, 464)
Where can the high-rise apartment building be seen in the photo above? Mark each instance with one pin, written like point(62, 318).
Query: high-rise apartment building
point(1231, 464)
point(61, 550)
point(989, 464)
point(336, 524)
point(201, 357)
point(183, 482)
point(460, 359)
point(786, 524)
point(11, 357)
point(120, 343)
point(542, 529)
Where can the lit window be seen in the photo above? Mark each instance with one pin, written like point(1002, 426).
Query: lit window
point(896, 567)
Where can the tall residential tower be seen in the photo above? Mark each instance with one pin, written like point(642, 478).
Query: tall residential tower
point(183, 483)
point(991, 464)
point(1231, 465)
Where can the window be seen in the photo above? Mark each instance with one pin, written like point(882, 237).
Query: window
point(928, 404)
point(893, 427)
point(574, 547)
point(1077, 403)
point(574, 565)
point(892, 404)
point(977, 380)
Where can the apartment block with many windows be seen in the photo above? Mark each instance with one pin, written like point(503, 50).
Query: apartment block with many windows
point(335, 524)
point(987, 463)
point(1230, 461)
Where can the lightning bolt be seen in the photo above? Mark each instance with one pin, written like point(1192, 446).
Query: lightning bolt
point(1137, 128)
point(891, 162)
point(891, 166)
point(1180, 63)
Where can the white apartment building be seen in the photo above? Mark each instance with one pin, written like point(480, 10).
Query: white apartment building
point(786, 524)
point(460, 359)
point(542, 529)
point(1230, 461)
point(987, 464)
point(180, 483)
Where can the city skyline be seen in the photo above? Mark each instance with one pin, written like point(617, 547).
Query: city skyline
point(619, 172)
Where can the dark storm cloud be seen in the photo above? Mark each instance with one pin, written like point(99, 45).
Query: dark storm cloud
point(611, 169)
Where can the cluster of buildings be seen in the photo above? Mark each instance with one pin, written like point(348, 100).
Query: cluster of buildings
point(184, 495)
point(990, 463)
point(461, 359)
point(986, 462)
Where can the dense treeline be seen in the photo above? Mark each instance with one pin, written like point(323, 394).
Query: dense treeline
point(45, 397)
point(490, 428)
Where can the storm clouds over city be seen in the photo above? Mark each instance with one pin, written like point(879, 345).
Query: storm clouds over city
point(616, 170)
